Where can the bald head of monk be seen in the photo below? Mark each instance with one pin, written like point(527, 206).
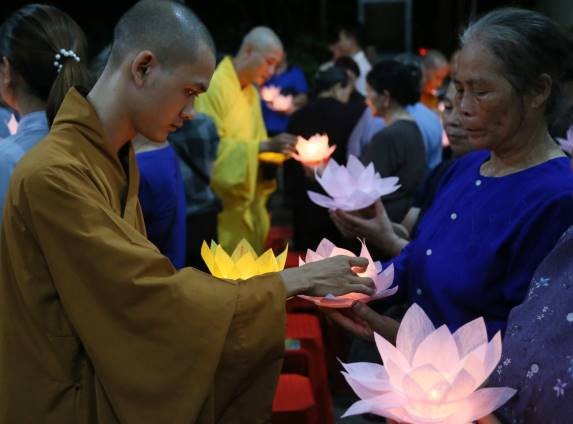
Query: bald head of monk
point(161, 58)
point(258, 56)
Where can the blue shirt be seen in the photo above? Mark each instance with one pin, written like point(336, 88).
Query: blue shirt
point(427, 120)
point(162, 199)
point(431, 128)
point(32, 128)
point(476, 248)
point(291, 81)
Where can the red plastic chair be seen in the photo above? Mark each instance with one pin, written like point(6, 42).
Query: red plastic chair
point(294, 401)
point(306, 329)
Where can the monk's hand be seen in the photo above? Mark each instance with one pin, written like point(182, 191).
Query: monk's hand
point(280, 143)
point(336, 276)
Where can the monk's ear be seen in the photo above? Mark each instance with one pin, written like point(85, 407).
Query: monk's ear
point(142, 65)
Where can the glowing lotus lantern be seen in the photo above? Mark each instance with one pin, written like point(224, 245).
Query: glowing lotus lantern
point(243, 263)
point(281, 103)
point(13, 125)
point(270, 92)
point(567, 143)
point(313, 151)
point(431, 376)
point(352, 187)
point(382, 279)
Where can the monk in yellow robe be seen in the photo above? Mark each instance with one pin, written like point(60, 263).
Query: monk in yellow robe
point(233, 102)
point(96, 326)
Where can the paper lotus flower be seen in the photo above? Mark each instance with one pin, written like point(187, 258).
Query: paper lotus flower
point(269, 92)
point(431, 376)
point(352, 187)
point(382, 279)
point(243, 263)
point(314, 150)
point(281, 103)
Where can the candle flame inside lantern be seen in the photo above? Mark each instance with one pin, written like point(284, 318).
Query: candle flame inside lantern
point(314, 150)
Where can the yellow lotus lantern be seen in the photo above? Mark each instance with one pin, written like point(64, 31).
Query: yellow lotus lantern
point(243, 263)
point(313, 151)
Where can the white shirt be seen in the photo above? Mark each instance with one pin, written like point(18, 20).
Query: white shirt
point(364, 66)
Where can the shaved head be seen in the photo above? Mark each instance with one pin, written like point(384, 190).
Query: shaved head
point(170, 30)
point(262, 38)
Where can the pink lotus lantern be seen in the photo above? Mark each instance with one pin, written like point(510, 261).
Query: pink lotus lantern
point(269, 93)
point(382, 279)
point(314, 151)
point(282, 103)
point(431, 376)
point(351, 187)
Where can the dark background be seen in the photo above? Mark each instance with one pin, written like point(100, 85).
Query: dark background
point(305, 26)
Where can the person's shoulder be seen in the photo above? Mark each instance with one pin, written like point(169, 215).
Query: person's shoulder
point(224, 74)
point(398, 129)
point(423, 113)
point(46, 162)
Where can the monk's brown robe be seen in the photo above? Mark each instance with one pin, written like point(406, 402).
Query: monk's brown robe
point(96, 326)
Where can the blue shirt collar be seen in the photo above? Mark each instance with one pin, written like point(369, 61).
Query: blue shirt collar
point(33, 121)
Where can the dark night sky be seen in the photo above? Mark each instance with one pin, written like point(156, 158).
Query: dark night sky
point(436, 22)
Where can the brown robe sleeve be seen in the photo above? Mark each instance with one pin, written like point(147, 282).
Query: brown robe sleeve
point(166, 346)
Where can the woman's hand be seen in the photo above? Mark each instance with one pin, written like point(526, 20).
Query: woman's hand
point(363, 322)
point(377, 228)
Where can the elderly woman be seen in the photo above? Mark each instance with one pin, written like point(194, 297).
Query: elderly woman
point(499, 211)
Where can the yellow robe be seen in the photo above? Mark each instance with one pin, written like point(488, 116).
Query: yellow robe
point(96, 326)
point(236, 176)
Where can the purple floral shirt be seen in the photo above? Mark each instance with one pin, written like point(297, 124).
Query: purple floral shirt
point(538, 345)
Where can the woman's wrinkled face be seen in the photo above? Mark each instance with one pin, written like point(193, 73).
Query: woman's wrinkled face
point(490, 110)
point(457, 135)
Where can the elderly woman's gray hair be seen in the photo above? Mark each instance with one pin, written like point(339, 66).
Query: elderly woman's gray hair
point(526, 44)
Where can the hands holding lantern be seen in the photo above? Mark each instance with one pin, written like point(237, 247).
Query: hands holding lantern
point(336, 275)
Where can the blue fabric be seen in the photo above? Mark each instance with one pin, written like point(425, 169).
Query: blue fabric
point(538, 345)
point(162, 199)
point(32, 128)
point(431, 128)
point(476, 248)
point(291, 81)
